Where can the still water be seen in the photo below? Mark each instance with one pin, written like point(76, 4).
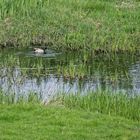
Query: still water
point(23, 71)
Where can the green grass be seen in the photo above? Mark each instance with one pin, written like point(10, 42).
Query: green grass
point(69, 24)
point(28, 121)
point(106, 102)
point(100, 116)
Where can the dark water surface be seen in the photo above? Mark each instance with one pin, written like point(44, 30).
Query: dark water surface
point(23, 71)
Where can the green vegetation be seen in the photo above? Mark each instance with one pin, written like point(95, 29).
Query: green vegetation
point(52, 122)
point(103, 25)
point(92, 26)
point(106, 102)
point(11, 98)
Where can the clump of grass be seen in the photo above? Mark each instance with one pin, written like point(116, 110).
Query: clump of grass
point(106, 102)
point(12, 98)
point(72, 71)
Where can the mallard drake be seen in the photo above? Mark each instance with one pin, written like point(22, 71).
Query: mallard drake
point(39, 50)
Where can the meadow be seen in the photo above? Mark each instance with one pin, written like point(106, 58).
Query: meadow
point(101, 25)
point(34, 121)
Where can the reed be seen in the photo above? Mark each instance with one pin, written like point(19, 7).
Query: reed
point(106, 102)
point(11, 98)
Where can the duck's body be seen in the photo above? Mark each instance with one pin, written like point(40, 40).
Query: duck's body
point(39, 50)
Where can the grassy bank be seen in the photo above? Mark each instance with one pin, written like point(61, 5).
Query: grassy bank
point(69, 24)
point(105, 102)
point(30, 121)
point(100, 116)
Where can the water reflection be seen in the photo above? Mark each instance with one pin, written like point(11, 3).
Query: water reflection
point(135, 75)
point(48, 74)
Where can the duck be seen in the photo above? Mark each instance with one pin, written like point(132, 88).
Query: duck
point(40, 50)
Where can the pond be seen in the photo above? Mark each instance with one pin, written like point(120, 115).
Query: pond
point(22, 71)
